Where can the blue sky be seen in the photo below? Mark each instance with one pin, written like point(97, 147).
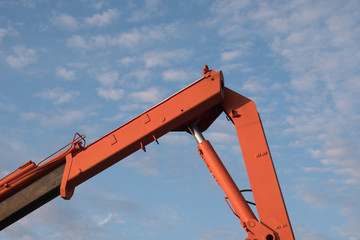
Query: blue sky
point(89, 66)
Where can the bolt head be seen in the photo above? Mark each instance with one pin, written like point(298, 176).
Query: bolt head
point(251, 224)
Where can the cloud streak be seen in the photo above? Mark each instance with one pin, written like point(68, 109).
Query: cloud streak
point(128, 39)
point(22, 57)
point(58, 95)
point(65, 73)
point(68, 22)
point(151, 95)
point(65, 21)
point(102, 19)
point(60, 118)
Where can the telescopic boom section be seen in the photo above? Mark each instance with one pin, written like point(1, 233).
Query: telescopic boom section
point(200, 102)
point(193, 110)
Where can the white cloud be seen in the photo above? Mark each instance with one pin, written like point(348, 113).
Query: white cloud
point(108, 90)
point(146, 34)
point(313, 197)
point(177, 75)
point(111, 217)
point(68, 118)
point(63, 221)
point(153, 59)
point(7, 106)
point(99, 40)
point(24, 231)
point(176, 139)
point(316, 153)
point(141, 75)
point(349, 172)
point(146, 166)
point(129, 39)
point(304, 82)
point(342, 27)
point(302, 232)
point(65, 21)
point(58, 95)
point(111, 93)
point(278, 25)
point(221, 137)
point(28, 3)
point(163, 59)
point(306, 14)
point(214, 234)
point(238, 66)
point(96, 41)
point(147, 10)
point(263, 12)
point(9, 31)
point(108, 78)
point(77, 42)
point(102, 19)
point(228, 14)
point(127, 60)
point(115, 118)
point(3, 33)
point(65, 74)
point(70, 23)
point(255, 85)
point(230, 55)
point(316, 169)
point(230, 7)
point(151, 95)
point(350, 229)
point(81, 43)
point(165, 218)
point(97, 4)
point(62, 118)
point(23, 56)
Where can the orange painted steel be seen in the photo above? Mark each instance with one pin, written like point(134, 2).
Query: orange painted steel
point(172, 114)
point(269, 201)
point(13, 177)
point(252, 226)
point(198, 105)
point(29, 172)
point(223, 178)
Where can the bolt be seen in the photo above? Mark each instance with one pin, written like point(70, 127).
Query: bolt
point(251, 224)
point(163, 119)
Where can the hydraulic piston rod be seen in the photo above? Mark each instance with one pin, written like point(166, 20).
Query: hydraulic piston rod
point(241, 209)
point(222, 176)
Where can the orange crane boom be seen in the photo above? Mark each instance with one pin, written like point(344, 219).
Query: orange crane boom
point(193, 110)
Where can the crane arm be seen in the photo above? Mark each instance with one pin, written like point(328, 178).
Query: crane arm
point(192, 109)
point(194, 103)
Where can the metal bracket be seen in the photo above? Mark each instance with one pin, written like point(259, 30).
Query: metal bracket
point(66, 191)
